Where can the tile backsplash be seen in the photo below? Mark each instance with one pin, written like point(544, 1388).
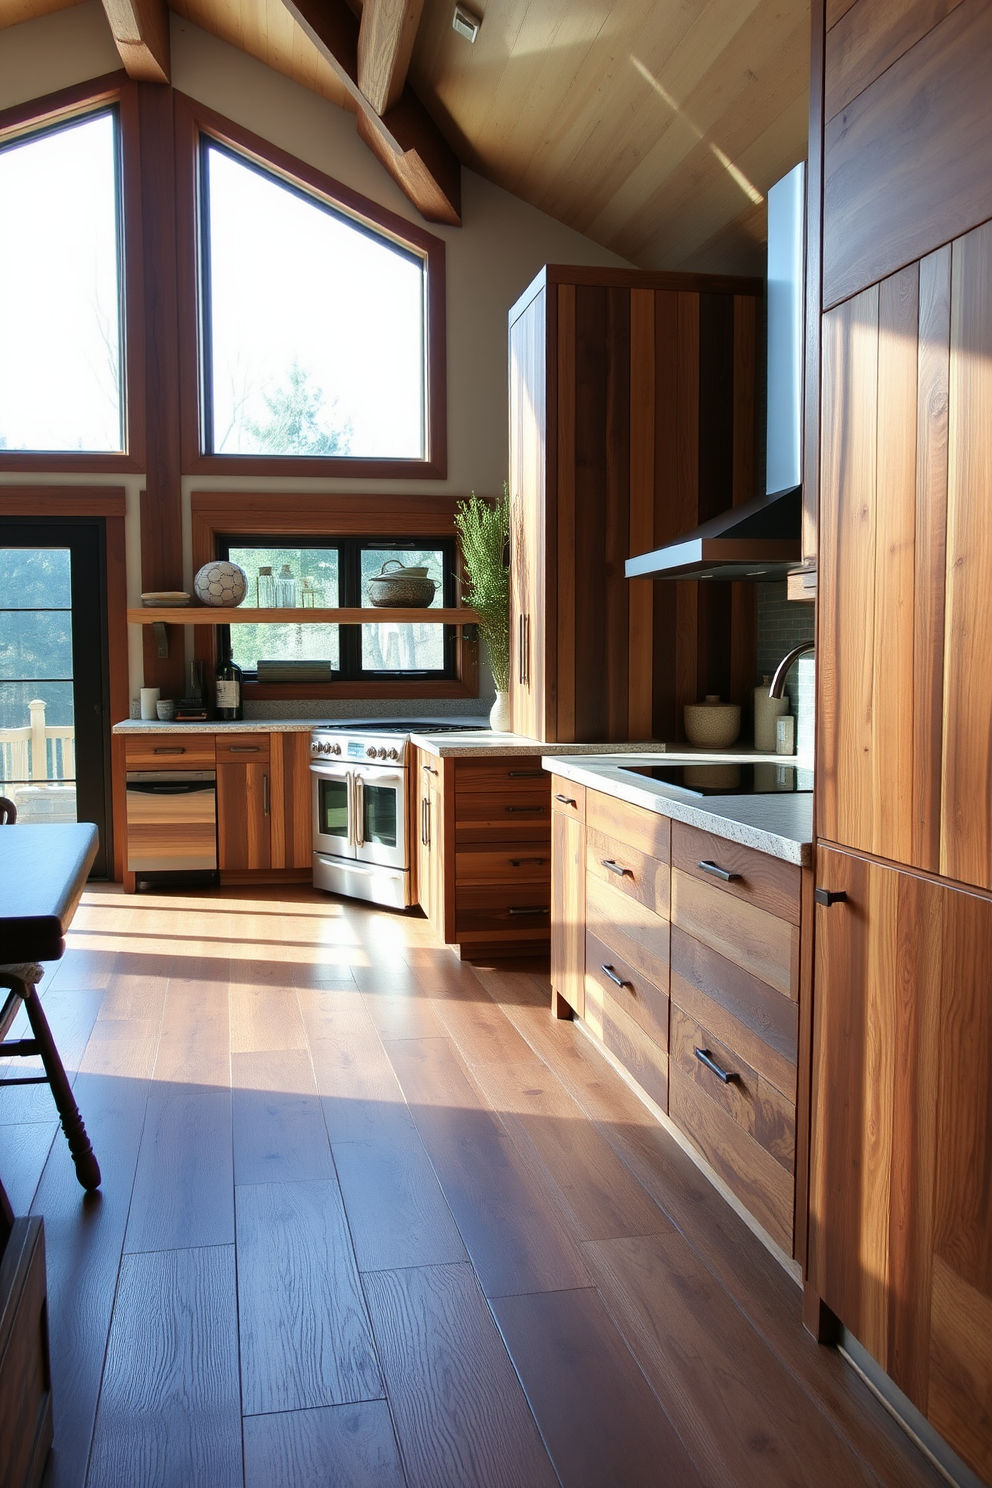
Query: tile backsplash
point(782, 625)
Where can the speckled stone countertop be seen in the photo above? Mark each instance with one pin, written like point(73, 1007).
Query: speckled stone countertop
point(781, 825)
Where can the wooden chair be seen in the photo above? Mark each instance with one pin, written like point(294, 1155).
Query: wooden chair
point(21, 980)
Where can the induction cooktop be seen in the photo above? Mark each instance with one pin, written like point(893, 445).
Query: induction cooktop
point(761, 778)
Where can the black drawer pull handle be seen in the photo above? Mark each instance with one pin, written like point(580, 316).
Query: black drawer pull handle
point(242, 748)
point(829, 896)
point(704, 1057)
point(614, 978)
point(160, 749)
point(525, 774)
point(517, 862)
point(566, 800)
point(528, 909)
point(523, 808)
point(718, 872)
point(615, 867)
point(429, 768)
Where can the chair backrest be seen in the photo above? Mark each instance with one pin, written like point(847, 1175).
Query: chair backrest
point(8, 812)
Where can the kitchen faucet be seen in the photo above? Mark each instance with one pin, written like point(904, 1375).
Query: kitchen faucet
point(778, 681)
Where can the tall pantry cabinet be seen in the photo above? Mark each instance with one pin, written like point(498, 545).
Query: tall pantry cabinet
point(900, 1242)
point(632, 419)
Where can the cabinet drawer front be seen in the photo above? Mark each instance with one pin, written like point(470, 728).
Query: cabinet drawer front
point(762, 944)
point(763, 1186)
point(639, 997)
point(525, 906)
point(628, 870)
point(168, 751)
point(759, 879)
point(506, 776)
point(567, 797)
point(738, 1008)
point(626, 926)
point(639, 1054)
point(757, 1107)
point(505, 865)
point(251, 748)
point(646, 830)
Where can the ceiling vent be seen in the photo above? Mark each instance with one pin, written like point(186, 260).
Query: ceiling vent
point(465, 23)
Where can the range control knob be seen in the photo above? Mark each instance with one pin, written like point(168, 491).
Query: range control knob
point(370, 751)
point(394, 754)
point(334, 748)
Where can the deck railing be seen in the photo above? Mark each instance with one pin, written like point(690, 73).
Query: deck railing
point(39, 752)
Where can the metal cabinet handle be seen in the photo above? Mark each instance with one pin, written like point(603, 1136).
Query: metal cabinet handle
point(523, 808)
point(616, 868)
point(614, 978)
point(829, 896)
point(717, 871)
point(429, 768)
point(566, 800)
point(265, 795)
point(242, 748)
point(425, 831)
point(524, 648)
point(528, 909)
point(525, 774)
point(359, 811)
point(516, 862)
point(704, 1057)
point(161, 749)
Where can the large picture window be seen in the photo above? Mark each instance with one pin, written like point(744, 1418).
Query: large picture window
point(332, 573)
point(61, 384)
point(313, 323)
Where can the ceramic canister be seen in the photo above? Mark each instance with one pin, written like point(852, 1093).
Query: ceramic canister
point(766, 711)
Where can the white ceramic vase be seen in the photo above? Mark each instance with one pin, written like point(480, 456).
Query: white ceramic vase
point(499, 714)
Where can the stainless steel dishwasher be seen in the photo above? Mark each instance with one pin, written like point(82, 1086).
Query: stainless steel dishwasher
point(172, 825)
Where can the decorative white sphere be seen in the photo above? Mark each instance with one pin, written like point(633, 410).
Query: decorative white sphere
point(221, 583)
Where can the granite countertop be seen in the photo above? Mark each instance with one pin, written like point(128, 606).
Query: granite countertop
point(781, 825)
point(217, 726)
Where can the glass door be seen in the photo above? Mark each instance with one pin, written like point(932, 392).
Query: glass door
point(54, 714)
point(380, 811)
point(332, 826)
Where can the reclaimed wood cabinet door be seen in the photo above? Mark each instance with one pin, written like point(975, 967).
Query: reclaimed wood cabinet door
point(531, 626)
point(244, 816)
point(568, 902)
point(900, 1197)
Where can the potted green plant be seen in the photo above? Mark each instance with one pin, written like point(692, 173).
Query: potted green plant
point(484, 529)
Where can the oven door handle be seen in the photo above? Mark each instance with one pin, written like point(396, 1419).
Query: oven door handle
point(359, 809)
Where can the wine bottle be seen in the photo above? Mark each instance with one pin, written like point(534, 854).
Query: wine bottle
point(230, 706)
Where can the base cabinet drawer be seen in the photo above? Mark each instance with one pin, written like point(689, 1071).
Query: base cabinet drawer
point(518, 907)
point(640, 1056)
point(169, 751)
point(629, 988)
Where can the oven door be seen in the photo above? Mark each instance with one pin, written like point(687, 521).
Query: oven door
point(380, 808)
point(333, 810)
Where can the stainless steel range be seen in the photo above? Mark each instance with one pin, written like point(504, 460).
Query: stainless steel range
point(361, 805)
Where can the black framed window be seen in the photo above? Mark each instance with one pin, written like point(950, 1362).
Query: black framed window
point(334, 573)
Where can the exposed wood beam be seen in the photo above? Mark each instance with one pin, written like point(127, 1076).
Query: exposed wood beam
point(407, 141)
point(141, 31)
point(385, 46)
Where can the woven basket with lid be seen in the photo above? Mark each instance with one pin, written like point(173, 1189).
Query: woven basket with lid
point(405, 588)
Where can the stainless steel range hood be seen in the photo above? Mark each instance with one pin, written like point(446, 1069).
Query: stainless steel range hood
point(760, 540)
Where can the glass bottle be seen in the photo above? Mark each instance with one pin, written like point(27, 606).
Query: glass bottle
point(230, 693)
point(266, 589)
point(286, 589)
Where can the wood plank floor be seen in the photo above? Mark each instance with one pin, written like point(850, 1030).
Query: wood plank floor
point(371, 1218)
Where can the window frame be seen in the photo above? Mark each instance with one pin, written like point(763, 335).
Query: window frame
point(66, 107)
point(350, 548)
point(194, 122)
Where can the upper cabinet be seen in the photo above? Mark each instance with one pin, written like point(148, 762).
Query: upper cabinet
point(632, 419)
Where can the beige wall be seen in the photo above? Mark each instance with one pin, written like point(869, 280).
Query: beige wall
point(490, 259)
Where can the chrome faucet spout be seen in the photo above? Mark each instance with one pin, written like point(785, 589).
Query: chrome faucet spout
point(782, 670)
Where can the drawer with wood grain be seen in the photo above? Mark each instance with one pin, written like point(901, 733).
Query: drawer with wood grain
point(742, 872)
point(507, 906)
point(744, 1127)
point(505, 777)
point(639, 935)
point(568, 798)
point(629, 988)
point(759, 942)
point(523, 817)
point(169, 751)
point(633, 873)
point(250, 748)
point(639, 1054)
point(649, 832)
point(512, 863)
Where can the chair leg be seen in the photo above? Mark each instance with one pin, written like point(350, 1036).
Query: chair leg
point(87, 1167)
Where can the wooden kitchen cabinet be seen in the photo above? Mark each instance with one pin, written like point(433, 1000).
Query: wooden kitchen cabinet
point(244, 803)
point(568, 897)
point(632, 419)
point(901, 1213)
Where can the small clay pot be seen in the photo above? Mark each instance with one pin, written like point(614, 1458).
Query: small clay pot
point(712, 724)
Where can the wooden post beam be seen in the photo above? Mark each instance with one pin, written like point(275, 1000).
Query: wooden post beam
point(141, 32)
point(385, 46)
point(405, 139)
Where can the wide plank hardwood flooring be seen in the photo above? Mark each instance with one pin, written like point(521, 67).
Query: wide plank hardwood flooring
point(371, 1218)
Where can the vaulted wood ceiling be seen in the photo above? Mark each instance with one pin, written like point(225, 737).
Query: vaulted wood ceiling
point(653, 126)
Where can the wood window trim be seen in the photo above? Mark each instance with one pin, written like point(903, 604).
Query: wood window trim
point(40, 113)
point(107, 502)
point(267, 514)
point(194, 120)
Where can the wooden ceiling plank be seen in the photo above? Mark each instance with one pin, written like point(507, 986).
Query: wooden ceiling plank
point(385, 46)
point(407, 141)
point(141, 34)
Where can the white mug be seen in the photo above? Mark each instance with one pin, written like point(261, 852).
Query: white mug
point(149, 700)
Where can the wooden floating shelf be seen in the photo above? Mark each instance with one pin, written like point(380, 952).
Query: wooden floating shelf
point(208, 615)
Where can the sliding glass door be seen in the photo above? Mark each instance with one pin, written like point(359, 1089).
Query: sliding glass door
point(54, 713)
